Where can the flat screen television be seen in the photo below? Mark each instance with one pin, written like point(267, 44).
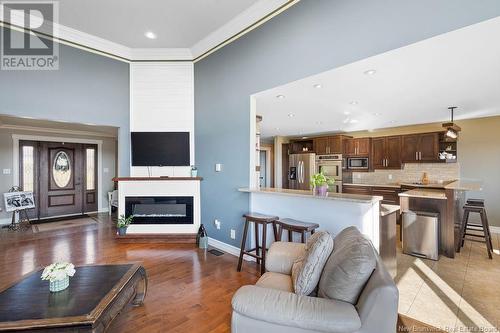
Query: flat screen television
point(160, 148)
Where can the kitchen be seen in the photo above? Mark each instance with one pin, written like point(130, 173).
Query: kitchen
point(381, 129)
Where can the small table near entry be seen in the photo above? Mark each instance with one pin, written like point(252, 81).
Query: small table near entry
point(95, 296)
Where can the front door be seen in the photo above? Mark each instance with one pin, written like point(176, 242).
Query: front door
point(62, 176)
point(61, 179)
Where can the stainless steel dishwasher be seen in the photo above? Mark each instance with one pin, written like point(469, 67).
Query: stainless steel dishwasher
point(421, 234)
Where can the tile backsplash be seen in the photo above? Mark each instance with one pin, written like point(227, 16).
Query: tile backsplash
point(411, 172)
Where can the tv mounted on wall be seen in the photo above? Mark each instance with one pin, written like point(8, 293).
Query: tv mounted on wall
point(160, 148)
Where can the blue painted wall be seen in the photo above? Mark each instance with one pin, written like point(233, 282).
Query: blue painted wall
point(87, 88)
point(309, 38)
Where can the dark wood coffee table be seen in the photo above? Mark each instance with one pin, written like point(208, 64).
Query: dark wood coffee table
point(95, 296)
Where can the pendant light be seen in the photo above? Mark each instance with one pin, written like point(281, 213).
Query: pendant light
point(452, 129)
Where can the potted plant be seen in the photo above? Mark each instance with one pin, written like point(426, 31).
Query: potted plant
point(320, 184)
point(123, 223)
point(58, 275)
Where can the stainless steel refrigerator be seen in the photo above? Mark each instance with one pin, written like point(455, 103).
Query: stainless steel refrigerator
point(301, 169)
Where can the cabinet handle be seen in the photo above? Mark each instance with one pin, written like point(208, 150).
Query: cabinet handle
point(420, 155)
point(416, 155)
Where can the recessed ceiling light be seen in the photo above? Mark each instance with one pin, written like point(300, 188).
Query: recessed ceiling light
point(280, 96)
point(353, 121)
point(392, 121)
point(370, 72)
point(291, 115)
point(318, 86)
point(353, 102)
point(150, 35)
point(277, 128)
point(377, 114)
point(319, 122)
point(347, 113)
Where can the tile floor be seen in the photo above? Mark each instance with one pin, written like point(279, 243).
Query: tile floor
point(455, 295)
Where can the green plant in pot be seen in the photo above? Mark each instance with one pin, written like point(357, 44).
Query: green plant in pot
point(320, 183)
point(123, 223)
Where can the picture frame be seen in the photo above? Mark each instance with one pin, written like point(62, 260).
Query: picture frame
point(15, 201)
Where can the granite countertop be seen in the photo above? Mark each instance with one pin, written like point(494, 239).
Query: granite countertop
point(386, 209)
point(425, 193)
point(465, 185)
point(309, 194)
point(394, 185)
point(457, 185)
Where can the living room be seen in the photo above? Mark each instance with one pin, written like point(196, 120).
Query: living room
point(130, 150)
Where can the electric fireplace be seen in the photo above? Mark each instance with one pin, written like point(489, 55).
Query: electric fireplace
point(160, 210)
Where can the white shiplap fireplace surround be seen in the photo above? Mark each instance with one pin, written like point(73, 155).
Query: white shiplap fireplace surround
point(162, 100)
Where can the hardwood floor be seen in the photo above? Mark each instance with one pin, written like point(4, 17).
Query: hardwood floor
point(189, 290)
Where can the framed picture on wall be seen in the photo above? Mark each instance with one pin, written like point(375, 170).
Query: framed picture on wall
point(15, 201)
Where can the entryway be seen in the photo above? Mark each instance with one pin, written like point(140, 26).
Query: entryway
point(62, 176)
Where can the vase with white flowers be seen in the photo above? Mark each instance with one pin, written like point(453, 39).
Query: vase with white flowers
point(58, 275)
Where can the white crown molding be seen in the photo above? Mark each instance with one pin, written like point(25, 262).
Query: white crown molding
point(55, 130)
point(164, 54)
point(254, 16)
point(239, 25)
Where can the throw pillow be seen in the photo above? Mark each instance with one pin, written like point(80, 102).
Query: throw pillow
point(306, 270)
point(348, 268)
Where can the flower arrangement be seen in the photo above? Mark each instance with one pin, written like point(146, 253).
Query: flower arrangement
point(58, 275)
point(58, 271)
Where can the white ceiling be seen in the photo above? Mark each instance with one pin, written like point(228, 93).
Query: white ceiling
point(177, 23)
point(412, 85)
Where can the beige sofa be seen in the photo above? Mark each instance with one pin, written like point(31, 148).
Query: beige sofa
point(272, 306)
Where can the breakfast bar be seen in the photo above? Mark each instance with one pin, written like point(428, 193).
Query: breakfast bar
point(332, 212)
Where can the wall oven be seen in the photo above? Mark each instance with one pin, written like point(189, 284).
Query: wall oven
point(331, 167)
point(357, 163)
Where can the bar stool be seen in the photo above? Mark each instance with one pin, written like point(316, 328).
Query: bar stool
point(264, 221)
point(476, 206)
point(295, 226)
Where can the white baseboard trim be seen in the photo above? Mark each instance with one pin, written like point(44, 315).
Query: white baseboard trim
point(227, 248)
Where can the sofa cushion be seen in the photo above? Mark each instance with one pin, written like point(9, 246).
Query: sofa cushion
point(348, 268)
point(276, 281)
point(282, 255)
point(306, 270)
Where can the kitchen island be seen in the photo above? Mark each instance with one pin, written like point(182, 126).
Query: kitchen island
point(333, 212)
point(448, 201)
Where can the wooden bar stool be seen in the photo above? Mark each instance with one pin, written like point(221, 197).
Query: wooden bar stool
point(295, 226)
point(476, 206)
point(260, 250)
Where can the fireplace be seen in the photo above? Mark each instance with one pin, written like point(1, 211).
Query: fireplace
point(160, 210)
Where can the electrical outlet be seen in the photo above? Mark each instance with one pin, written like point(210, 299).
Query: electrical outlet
point(390, 176)
point(218, 167)
point(217, 224)
point(233, 234)
point(6, 171)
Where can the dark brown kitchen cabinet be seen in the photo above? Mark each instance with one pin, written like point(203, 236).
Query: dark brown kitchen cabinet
point(321, 145)
point(357, 147)
point(420, 147)
point(328, 145)
point(355, 189)
point(390, 194)
point(386, 152)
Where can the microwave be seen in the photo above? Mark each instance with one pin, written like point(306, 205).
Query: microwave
point(357, 163)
